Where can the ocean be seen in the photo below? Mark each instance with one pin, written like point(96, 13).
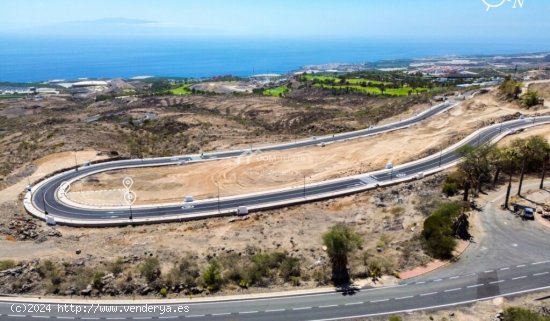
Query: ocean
point(24, 59)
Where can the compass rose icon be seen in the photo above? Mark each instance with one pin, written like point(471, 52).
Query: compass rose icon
point(492, 4)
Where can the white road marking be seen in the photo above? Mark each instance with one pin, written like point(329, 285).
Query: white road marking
point(438, 280)
point(453, 290)
point(520, 266)
point(173, 317)
point(376, 301)
point(248, 312)
point(328, 306)
point(474, 286)
point(219, 314)
point(520, 277)
point(495, 282)
point(426, 294)
point(454, 277)
point(194, 316)
point(275, 310)
point(72, 318)
point(303, 308)
point(405, 297)
point(504, 269)
point(420, 282)
point(541, 262)
point(354, 303)
point(40, 316)
point(16, 315)
point(539, 274)
point(489, 271)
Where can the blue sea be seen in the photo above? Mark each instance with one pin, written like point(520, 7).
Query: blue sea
point(24, 59)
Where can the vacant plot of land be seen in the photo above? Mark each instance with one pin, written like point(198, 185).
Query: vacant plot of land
point(285, 169)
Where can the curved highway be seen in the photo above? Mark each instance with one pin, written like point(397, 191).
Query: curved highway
point(45, 194)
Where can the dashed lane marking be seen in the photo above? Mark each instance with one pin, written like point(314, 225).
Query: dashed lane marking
point(328, 306)
point(302, 308)
point(504, 269)
point(474, 286)
point(539, 274)
point(248, 312)
point(377, 301)
point(519, 277)
point(275, 310)
point(496, 282)
point(220, 314)
point(194, 316)
point(354, 303)
point(427, 294)
point(520, 266)
point(453, 290)
point(405, 297)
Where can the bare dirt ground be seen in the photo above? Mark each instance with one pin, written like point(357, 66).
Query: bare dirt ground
point(267, 171)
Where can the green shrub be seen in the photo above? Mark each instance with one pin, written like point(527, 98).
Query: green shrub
point(150, 269)
point(212, 276)
point(438, 234)
point(289, 268)
point(520, 314)
point(116, 267)
point(450, 189)
point(97, 283)
point(185, 272)
point(531, 99)
point(163, 292)
point(6, 265)
point(395, 318)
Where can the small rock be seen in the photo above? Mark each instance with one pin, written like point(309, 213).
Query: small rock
point(78, 251)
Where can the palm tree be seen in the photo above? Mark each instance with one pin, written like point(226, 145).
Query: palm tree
point(340, 241)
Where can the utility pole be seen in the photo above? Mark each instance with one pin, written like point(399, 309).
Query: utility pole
point(304, 186)
point(218, 198)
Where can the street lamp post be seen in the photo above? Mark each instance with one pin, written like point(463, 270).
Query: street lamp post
point(219, 211)
point(44, 202)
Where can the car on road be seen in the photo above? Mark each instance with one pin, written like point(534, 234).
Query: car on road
point(528, 213)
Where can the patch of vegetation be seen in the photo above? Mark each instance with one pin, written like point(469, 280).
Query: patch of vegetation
point(181, 90)
point(341, 241)
point(7, 264)
point(212, 277)
point(438, 233)
point(510, 88)
point(521, 314)
point(530, 99)
point(276, 92)
point(150, 269)
point(397, 84)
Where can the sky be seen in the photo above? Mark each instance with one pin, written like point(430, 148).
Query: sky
point(395, 19)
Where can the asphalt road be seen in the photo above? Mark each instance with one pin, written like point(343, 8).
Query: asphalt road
point(430, 294)
point(45, 196)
